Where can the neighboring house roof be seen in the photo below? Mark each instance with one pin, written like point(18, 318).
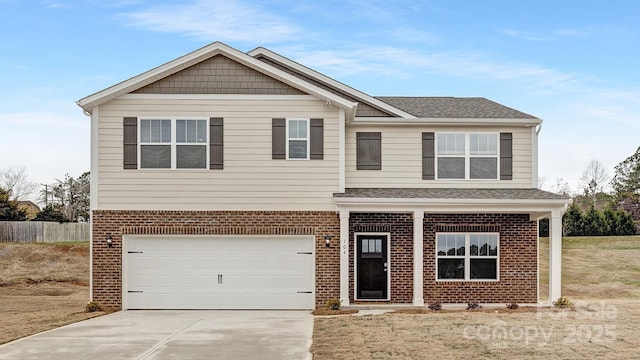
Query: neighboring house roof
point(452, 107)
point(431, 193)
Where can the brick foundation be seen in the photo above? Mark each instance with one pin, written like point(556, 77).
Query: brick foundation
point(107, 262)
point(517, 254)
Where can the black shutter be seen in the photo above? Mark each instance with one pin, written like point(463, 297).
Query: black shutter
point(368, 151)
point(278, 139)
point(428, 156)
point(216, 144)
point(130, 143)
point(506, 156)
point(317, 139)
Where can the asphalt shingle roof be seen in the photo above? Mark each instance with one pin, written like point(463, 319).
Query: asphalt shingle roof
point(430, 193)
point(452, 107)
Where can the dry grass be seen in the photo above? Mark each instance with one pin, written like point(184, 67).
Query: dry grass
point(593, 268)
point(34, 263)
point(42, 286)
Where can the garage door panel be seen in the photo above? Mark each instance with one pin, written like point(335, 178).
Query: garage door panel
point(220, 273)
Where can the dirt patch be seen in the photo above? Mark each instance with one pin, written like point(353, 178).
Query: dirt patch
point(31, 308)
point(599, 330)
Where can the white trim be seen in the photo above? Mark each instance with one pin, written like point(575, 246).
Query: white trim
point(534, 158)
point(344, 257)
point(555, 256)
point(467, 256)
point(418, 258)
point(341, 150)
point(202, 54)
point(445, 121)
point(355, 264)
point(93, 188)
point(445, 204)
point(328, 81)
point(289, 139)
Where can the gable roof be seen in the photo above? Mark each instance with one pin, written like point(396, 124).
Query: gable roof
point(327, 82)
point(452, 107)
point(202, 54)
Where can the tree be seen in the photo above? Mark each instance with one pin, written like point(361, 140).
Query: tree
point(49, 213)
point(626, 179)
point(16, 183)
point(593, 223)
point(561, 187)
point(9, 210)
point(572, 221)
point(71, 196)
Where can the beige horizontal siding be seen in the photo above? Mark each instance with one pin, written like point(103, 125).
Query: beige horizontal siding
point(402, 159)
point(250, 180)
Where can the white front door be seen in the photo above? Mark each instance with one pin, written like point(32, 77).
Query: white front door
point(219, 272)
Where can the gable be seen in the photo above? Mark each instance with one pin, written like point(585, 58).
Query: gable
point(364, 109)
point(219, 75)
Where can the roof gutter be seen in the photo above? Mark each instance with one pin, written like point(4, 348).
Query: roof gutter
point(445, 121)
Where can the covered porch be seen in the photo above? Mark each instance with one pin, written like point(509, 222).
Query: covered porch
point(533, 203)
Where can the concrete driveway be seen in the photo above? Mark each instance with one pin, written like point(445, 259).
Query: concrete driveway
point(172, 334)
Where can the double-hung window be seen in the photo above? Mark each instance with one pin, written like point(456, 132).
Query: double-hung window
point(467, 156)
point(298, 139)
point(173, 144)
point(467, 256)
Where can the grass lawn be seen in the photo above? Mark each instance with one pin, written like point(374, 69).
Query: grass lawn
point(601, 275)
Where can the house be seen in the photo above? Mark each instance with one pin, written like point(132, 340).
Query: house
point(29, 207)
point(232, 180)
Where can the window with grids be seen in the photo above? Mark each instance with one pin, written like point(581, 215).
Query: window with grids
point(173, 143)
point(298, 139)
point(467, 156)
point(467, 256)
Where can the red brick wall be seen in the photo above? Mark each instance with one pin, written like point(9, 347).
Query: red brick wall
point(517, 253)
point(107, 262)
point(400, 226)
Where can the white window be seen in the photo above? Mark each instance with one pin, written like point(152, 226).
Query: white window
point(467, 156)
point(467, 256)
point(298, 139)
point(173, 144)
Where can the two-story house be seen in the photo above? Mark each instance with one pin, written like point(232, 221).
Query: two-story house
point(231, 180)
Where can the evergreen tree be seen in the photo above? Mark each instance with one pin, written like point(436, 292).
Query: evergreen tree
point(9, 210)
point(572, 222)
point(50, 213)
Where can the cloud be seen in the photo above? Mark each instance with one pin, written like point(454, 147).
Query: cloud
point(521, 35)
point(216, 20)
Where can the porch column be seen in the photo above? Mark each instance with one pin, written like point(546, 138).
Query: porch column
point(418, 251)
point(344, 257)
point(555, 255)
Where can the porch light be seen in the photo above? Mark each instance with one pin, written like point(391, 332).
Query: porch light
point(109, 241)
point(327, 241)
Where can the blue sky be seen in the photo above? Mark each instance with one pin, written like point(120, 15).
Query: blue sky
point(574, 64)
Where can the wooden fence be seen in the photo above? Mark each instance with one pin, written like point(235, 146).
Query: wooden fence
point(42, 231)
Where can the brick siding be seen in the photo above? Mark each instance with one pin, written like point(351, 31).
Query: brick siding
point(400, 227)
point(107, 262)
point(517, 253)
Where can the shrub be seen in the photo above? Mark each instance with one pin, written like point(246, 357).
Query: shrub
point(562, 302)
point(333, 304)
point(93, 306)
point(435, 306)
point(473, 306)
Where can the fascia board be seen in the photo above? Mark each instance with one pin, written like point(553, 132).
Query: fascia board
point(329, 81)
point(446, 121)
point(202, 54)
point(459, 204)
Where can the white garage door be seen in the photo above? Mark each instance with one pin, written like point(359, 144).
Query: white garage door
point(250, 272)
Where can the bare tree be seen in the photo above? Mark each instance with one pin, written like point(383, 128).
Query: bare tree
point(16, 182)
point(561, 187)
point(594, 177)
point(541, 181)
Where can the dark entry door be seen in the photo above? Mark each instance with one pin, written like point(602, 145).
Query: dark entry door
point(372, 266)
